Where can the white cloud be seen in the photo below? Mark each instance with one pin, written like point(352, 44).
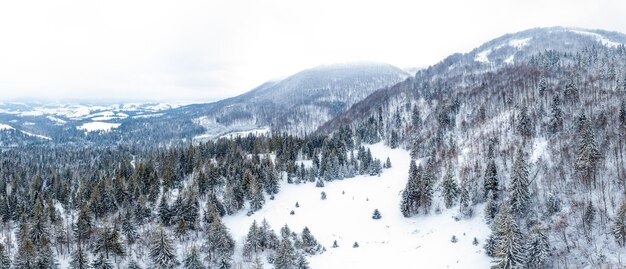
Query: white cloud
point(202, 50)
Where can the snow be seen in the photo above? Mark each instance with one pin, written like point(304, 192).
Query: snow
point(56, 120)
point(7, 127)
point(509, 60)
point(519, 43)
point(393, 241)
point(539, 149)
point(147, 116)
point(482, 56)
point(598, 37)
point(98, 126)
point(36, 135)
point(257, 132)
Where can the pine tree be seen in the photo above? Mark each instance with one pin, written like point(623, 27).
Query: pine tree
point(410, 201)
point(519, 194)
point(538, 249)
point(128, 228)
point(619, 225)
point(309, 243)
point(491, 182)
point(192, 261)
point(450, 189)
point(416, 118)
point(26, 253)
point(622, 113)
point(285, 255)
point(588, 154)
point(257, 198)
point(257, 264)
point(376, 214)
point(219, 244)
point(301, 262)
point(253, 242)
point(133, 265)
point(509, 252)
point(5, 261)
point(46, 259)
point(556, 120)
point(388, 163)
point(464, 199)
point(101, 263)
point(109, 241)
point(162, 252)
point(393, 143)
point(165, 213)
point(79, 259)
point(524, 123)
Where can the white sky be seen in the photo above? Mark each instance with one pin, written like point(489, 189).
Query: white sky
point(207, 50)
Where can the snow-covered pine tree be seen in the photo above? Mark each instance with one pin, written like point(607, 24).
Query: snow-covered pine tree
point(108, 242)
point(5, 261)
point(219, 244)
point(588, 153)
point(192, 261)
point(301, 262)
point(252, 244)
point(133, 265)
point(450, 189)
point(128, 228)
point(556, 117)
point(46, 259)
point(538, 249)
point(162, 253)
point(491, 181)
point(388, 163)
point(464, 199)
point(619, 225)
point(416, 118)
point(80, 260)
point(509, 251)
point(101, 262)
point(165, 213)
point(410, 201)
point(309, 243)
point(285, 255)
point(524, 123)
point(257, 198)
point(519, 194)
point(26, 254)
point(376, 214)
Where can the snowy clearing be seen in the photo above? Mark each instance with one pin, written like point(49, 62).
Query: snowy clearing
point(347, 218)
point(600, 38)
point(5, 127)
point(98, 126)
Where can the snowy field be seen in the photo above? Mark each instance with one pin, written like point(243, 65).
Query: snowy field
point(346, 216)
point(98, 126)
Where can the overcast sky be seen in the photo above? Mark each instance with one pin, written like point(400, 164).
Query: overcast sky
point(207, 50)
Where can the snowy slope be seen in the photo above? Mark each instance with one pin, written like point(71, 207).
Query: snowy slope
point(394, 241)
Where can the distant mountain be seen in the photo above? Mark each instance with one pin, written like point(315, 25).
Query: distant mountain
point(297, 105)
point(503, 52)
point(300, 103)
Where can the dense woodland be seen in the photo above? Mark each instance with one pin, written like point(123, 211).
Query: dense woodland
point(538, 146)
point(132, 206)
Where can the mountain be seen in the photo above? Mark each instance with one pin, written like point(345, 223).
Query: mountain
point(528, 130)
point(297, 105)
point(503, 52)
point(302, 102)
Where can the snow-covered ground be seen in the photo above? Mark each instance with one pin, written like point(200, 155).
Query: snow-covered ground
point(98, 126)
point(256, 132)
point(346, 216)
